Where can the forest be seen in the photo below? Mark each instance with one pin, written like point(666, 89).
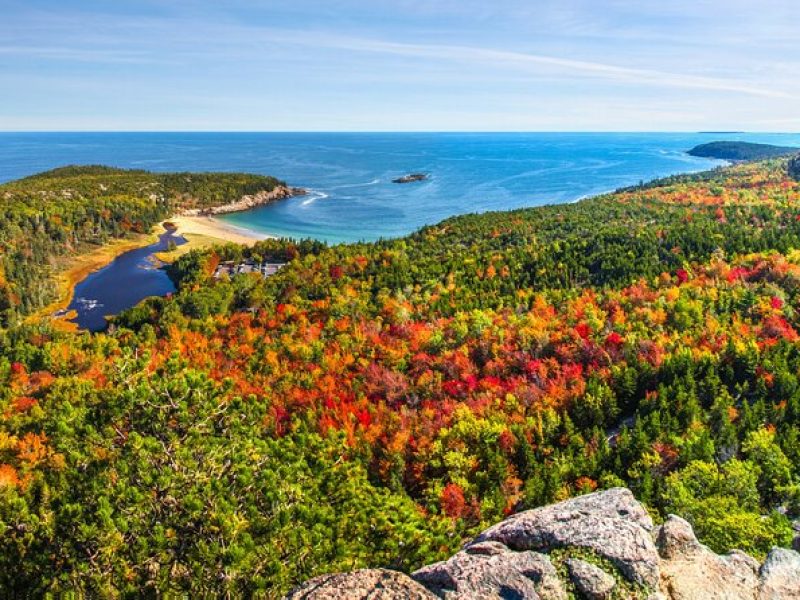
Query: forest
point(376, 404)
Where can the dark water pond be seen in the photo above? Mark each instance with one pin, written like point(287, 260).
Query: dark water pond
point(123, 283)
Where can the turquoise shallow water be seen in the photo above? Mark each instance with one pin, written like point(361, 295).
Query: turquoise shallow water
point(349, 175)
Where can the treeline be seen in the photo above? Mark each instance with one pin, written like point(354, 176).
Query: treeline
point(375, 404)
point(54, 215)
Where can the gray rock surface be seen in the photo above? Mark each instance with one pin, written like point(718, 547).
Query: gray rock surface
point(364, 584)
point(611, 523)
point(491, 570)
point(591, 581)
point(780, 575)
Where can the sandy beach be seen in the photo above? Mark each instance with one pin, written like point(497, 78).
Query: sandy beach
point(210, 227)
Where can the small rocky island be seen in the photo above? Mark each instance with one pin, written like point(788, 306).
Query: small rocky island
point(411, 178)
point(740, 151)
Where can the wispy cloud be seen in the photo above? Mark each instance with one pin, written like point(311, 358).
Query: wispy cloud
point(449, 64)
point(169, 39)
point(83, 54)
point(525, 61)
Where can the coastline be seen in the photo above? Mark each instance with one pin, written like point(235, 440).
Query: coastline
point(199, 231)
point(202, 227)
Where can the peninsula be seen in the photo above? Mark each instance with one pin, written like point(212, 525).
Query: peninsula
point(740, 151)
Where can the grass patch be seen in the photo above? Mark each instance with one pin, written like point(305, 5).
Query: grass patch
point(624, 589)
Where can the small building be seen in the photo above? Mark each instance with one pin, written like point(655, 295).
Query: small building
point(231, 268)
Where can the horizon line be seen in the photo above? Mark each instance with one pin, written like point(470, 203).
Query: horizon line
point(411, 131)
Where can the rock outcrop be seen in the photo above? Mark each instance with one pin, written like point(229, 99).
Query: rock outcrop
point(611, 524)
point(280, 192)
point(598, 546)
point(779, 576)
point(590, 581)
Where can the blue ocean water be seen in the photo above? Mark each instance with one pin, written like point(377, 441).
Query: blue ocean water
point(349, 174)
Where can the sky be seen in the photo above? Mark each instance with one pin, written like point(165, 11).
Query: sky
point(407, 65)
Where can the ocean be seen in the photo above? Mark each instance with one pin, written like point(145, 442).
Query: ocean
point(349, 175)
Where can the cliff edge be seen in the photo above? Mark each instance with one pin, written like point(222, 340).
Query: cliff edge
point(598, 546)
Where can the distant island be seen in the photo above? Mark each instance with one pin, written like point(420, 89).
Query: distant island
point(411, 178)
point(740, 151)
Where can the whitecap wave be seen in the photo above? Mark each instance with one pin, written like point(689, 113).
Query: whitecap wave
point(313, 196)
point(87, 304)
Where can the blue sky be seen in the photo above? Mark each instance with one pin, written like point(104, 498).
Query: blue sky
point(497, 65)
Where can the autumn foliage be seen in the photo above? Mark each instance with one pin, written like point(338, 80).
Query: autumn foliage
point(375, 404)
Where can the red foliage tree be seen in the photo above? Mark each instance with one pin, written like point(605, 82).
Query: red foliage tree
point(452, 501)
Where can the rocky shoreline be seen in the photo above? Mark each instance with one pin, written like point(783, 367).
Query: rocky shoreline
point(599, 546)
point(247, 202)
